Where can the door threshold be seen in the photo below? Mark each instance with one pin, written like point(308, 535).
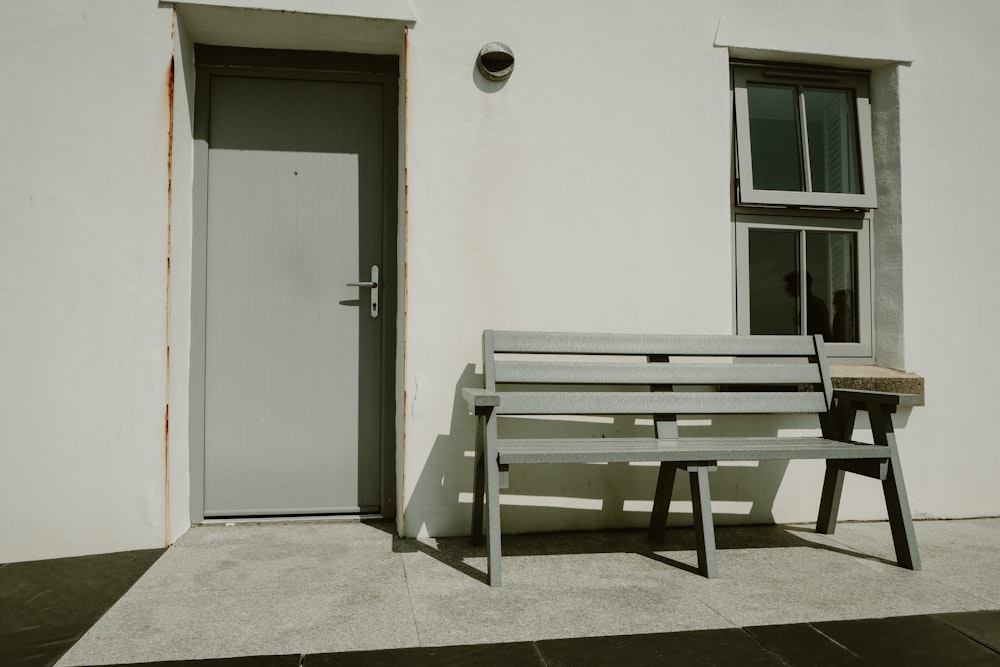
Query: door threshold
point(315, 518)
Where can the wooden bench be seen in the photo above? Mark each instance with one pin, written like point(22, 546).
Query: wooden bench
point(546, 374)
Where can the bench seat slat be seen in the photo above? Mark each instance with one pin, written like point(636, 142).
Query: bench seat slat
point(617, 450)
point(651, 344)
point(564, 372)
point(644, 403)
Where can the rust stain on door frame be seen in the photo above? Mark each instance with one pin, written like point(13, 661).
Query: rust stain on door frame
point(170, 176)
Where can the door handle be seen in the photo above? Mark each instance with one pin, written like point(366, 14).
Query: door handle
point(373, 285)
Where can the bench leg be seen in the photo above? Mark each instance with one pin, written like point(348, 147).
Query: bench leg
point(704, 530)
point(829, 504)
point(479, 484)
point(838, 424)
point(904, 538)
point(490, 470)
point(661, 501)
point(493, 519)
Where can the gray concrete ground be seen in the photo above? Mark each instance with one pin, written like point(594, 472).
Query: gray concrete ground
point(316, 587)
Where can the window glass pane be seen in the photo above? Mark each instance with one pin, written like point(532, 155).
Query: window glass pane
point(831, 272)
point(774, 282)
point(833, 160)
point(774, 138)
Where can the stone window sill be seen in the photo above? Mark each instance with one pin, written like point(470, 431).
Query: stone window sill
point(877, 378)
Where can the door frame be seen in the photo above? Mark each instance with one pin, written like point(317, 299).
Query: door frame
point(317, 65)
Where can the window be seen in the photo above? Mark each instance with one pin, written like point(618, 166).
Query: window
point(803, 138)
point(795, 278)
point(804, 193)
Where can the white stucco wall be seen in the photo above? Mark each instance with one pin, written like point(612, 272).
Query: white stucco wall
point(950, 172)
point(589, 192)
point(83, 213)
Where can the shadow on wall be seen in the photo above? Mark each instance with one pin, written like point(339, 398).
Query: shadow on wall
point(563, 497)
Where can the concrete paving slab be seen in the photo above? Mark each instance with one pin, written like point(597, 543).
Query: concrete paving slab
point(260, 589)
point(961, 554)
point(550, 556)
point(347, 535)
point(789, 584)
point(191, 625)
point(552, 611)
point(271, 565)
point(549, 595)
point(321, 588)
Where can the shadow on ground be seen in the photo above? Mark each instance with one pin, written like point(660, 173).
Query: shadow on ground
point(457, 552)
point(47, 605)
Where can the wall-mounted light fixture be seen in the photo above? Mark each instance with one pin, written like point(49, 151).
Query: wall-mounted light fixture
point(496, 61)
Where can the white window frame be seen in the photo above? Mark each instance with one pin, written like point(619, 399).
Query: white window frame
point(859, 352)
point(803, 77)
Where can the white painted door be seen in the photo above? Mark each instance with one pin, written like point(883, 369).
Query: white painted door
point(292, 356)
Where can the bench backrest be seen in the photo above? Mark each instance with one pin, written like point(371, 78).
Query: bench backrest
point(551, 373)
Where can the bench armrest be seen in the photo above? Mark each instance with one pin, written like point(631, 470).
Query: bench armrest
point(862, 397)
point(480, 398)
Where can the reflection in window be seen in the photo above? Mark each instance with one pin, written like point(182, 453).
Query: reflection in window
point(833, 159)
point(774, 138)
point(777, 136)
point(831, 260)
point(829, 286)
point(773, 255)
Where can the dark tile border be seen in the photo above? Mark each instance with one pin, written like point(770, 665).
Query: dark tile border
point(514, 654)
point(898, 640)
point(982, 626)
point(47, 605)
point(293, 660)
point(716, 648)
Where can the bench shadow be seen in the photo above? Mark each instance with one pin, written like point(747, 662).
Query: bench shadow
point(457, 552)
point(748, 537)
